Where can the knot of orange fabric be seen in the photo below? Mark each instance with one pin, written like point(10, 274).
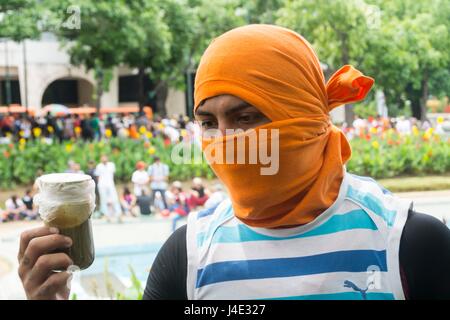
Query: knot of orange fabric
point(277, 71)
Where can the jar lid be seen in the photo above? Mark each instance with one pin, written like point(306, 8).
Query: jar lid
point(65, 199)
point(64, 178)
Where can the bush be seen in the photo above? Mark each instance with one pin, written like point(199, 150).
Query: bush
point(19, 163)
point(391, 155)
point(380, 156)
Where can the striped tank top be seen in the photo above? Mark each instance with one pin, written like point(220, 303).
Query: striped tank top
point(351, 251)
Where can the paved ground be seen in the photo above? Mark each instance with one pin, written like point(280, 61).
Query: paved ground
point(436, 203)
point(152, 231)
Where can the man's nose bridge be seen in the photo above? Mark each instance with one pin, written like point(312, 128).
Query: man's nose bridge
point(223, 125)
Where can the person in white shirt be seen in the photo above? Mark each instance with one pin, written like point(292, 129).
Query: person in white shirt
point(140, 179)
point(360, 126)
point(15, 208)
point(109, 201)
point(159, 175)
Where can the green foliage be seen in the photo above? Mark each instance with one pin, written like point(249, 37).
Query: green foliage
point(398, 156)
point(338, 29)
point(402, 44)
point(135, 292)
point(20, 163)
point(19, 19)
point(366, 109)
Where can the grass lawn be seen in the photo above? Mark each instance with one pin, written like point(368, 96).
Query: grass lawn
point(409, 184)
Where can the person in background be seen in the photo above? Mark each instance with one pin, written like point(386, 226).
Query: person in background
point(128, 202)
point(109, 201)
point(140, 179)
point(217, 196)
point(27, 200)
point(94, 123)
point(133, 132)
point(3, 216)
point(70, 166)
point(15, 208)
point(58, 128)
point(68, 127)
point(199, 194)
point(86, 130)
point(178, 203)
point(111, 125)
point(25, 127)
point(159, 175)
point(91, 172)
point(144, 201)
point(77, 168)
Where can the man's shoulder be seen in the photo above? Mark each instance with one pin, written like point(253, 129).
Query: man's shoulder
point(424, 229)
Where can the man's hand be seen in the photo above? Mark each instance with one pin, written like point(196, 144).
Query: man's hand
point(37, 262)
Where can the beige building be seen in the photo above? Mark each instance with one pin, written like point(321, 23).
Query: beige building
point(48, 77)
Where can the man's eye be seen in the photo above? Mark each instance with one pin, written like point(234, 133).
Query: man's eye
point(248, 118)
point(207, 124)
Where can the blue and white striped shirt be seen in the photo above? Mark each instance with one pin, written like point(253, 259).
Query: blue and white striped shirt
point(349, 252)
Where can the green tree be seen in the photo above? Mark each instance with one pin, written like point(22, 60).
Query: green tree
point(19, 19)
point(338, 30)
point(175, 33)
point(409, 54)
point(100, 40)
point(153, 50)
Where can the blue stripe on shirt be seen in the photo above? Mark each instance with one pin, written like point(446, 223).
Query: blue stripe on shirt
point(383, 189)
point(340, 261)
point(372, 203)
point(355, 219)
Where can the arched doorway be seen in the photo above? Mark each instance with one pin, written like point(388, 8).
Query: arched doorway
point(71, 92)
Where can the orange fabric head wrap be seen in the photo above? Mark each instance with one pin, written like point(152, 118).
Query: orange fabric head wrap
point(277, 71)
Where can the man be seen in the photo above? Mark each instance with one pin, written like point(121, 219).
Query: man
point(15, 208)
point(91, 166)
point(198, 194)
point(309, 231)
point(94, 124)
point(140, 179)
point(143, 201)
point(159, 175)
point(109, 201)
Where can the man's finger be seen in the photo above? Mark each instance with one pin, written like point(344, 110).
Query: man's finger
point(45, 265)
point(28, 235)
point(41, 246)
point(56, 283)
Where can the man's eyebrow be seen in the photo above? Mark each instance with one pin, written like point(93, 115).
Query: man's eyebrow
point(241, 105)
point(199, 112)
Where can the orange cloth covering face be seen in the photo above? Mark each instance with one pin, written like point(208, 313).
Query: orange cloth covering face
point(277, 71)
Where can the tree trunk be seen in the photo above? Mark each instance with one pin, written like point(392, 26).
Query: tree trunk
point(99, 90)
point(414, 96)
point(141, 95)
point(162, 91)
point(424, 98)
